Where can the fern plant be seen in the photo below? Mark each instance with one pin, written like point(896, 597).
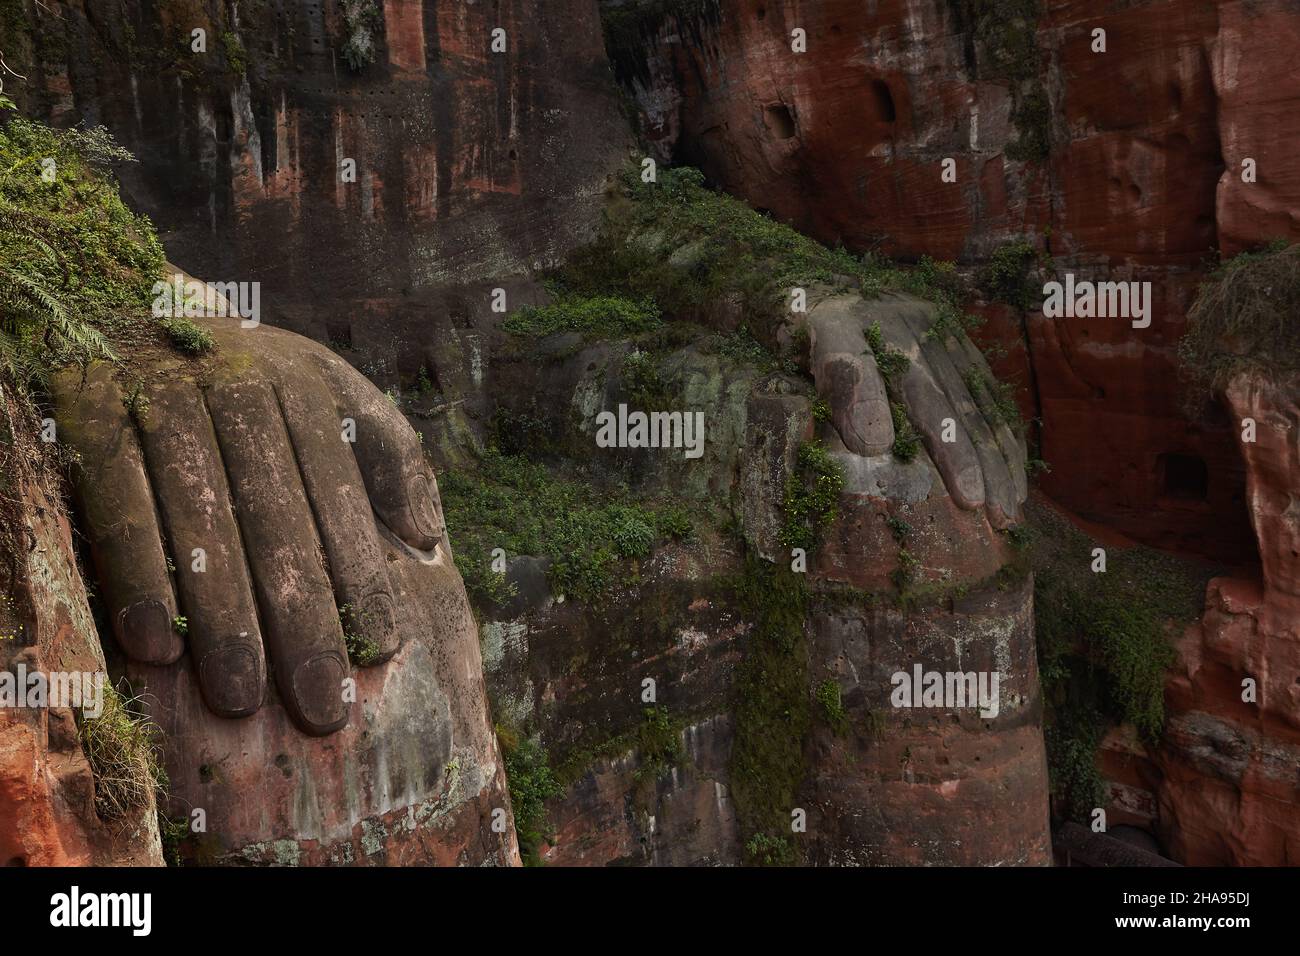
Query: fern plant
point(36, 324)
point(75, 263)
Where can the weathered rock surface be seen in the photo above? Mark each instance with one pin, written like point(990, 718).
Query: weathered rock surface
point(576, 675)
point(351, 195)
point(939, 786)
point(1143, 179)
point(233, 499)
point(47, 788)
point(1231, 767)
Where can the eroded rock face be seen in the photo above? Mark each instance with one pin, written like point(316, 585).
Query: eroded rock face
point(932, 787)
point(47, 788)
point(1143, 178)
point(577, 674)
point(1230, 766)
point(351, 195)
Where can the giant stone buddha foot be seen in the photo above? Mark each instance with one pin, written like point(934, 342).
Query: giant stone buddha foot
point(272, 561)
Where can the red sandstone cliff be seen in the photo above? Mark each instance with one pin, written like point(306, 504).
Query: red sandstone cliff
point(1148, 173)
point(1141, 182)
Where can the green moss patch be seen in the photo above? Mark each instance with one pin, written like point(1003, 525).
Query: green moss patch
point(75, 263)
point(523, 508)
point(593, 316)
point(812, 496)
point(771, 710)
point(1104, 643)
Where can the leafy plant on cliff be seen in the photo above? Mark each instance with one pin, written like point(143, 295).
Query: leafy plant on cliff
point(1103, 643)
point(1006, 276)
point(906, 441)
point(832, 706)
point(812, 495)
point(532, 783)
point(771, 710)
point(361, 21)
point(891, 362)
point(72, 256)
point(121, 747)
point(236, 57)
point(1244, 318)
point(996, 397)
point(519, 506)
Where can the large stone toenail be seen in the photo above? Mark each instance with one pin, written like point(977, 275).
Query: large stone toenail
point(318, 691)
point(232, 681)
point(145, 630)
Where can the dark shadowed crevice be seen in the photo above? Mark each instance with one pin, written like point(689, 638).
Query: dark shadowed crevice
point(885, 110)
point(779, 121)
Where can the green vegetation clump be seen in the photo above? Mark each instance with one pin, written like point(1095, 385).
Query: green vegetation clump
point(516, 505)
point(833, 712)
point(361, 21)
point(188, 337)
point(658, 742)
point(74, 261)
point(907, 572)
point(236, 57)
point(812, 495)
point(891, 362)
point(772, 711)
point(906, 441)
point(136, 403)
point(1006, 277)
point(997, 398)
point(120, 746)
point(646, 389)
point(1103, 643)
point(594, 316)
point(363, 650)
point(172, 833)
point(1244, 318)
point(898, 527)
point(532, 783)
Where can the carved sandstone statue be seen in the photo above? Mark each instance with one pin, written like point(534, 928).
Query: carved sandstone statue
point(261, 518)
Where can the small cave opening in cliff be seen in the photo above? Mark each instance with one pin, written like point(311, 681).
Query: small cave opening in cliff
point(884, 101)
point(779, 121)
point(1183, 477)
